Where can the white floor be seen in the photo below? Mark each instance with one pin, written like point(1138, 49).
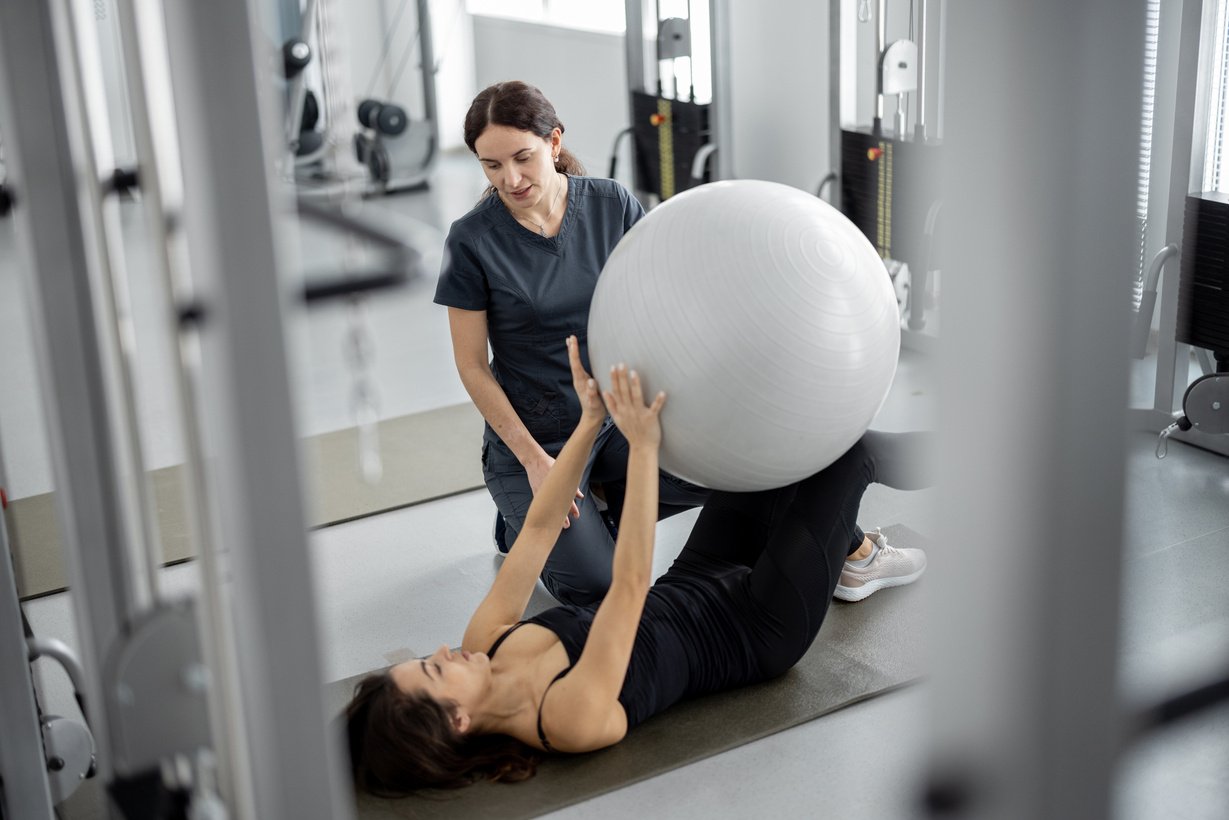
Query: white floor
point(404, 582)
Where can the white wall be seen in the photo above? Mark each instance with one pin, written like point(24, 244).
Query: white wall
point(582, 73)
point(779, 87)
point(779, 78)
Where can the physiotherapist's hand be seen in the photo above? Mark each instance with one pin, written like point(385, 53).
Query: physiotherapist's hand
point(536, 471)
point(591, 407)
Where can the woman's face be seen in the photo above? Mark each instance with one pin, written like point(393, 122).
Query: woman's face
point(519, 164)
point(446, 675)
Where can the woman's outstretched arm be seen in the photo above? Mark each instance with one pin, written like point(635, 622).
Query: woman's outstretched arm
point(505, 603)
point(583, 712)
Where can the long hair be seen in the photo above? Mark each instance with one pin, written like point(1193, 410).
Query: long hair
point(517, 105)
point(400, 743)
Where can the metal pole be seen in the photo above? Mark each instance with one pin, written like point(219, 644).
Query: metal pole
point(80, 56)
point(920, 126)
point(48, 154)
point(836, 93)
point(633, 40)
point(881, 45)
point(722, 116)
point(1026, 721)
point(1186, 172)
point(23, 769)
point(429, 71)
point(147, 70)
point(230, 142)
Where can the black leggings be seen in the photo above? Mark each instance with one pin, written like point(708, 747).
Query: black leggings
point(796, 539)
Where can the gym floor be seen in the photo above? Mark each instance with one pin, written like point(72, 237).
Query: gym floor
point(405, 581)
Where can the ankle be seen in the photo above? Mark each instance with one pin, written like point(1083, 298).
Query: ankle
point(863, 551)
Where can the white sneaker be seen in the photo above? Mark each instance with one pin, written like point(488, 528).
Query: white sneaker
point(889, 567)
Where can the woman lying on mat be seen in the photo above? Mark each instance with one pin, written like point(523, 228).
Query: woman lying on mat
point(741, 604)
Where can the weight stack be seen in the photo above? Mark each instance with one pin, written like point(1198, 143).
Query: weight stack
point(1203, 284)
point(667, 135)
point(887, 186)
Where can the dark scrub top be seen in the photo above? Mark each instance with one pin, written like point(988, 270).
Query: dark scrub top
point(536, 291)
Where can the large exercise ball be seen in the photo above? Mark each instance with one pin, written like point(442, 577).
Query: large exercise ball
point(768, 319)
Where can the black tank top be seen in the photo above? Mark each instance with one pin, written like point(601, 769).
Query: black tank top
point(689, 641)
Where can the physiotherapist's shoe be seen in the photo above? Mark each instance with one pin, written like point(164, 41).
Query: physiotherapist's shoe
point(501, 533)
point(888, 566)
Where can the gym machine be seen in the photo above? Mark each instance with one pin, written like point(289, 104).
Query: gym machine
point(679, 87)
point(197, 705)
point(886, 179)
point(397, 151)
point(400, 151)
point(1194, 298)
point(44, 758)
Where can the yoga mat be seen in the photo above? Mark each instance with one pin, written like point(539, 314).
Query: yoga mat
point(426, 456)
point(863, 650)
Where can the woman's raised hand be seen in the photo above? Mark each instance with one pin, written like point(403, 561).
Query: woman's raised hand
point(591, 405)
point(638, 421)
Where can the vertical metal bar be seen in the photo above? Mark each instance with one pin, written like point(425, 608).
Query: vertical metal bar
point(920, 125)
point(229, 140)
point(46, 158)
point(657, 45)
point(633, 41)
point(1033, 462)
point(836, 93)
point(881, 45)
point(23, 769)
point(722, 117)
point(1186, 170)
point(429, 70)
point(147, 71)
point(634, 45)
point(112, 303)
point(941, 85)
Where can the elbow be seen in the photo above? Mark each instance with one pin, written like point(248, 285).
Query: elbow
point(634, 582)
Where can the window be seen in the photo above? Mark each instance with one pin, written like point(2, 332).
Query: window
point(1215, 166)
point(587, 15)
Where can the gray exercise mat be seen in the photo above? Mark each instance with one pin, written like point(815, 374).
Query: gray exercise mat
point(426, 456)
point(863, 650)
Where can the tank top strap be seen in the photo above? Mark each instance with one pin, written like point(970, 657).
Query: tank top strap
point(490, 653)
point(541, 734)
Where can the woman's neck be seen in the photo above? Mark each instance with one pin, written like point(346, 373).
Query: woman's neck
point(511, 701)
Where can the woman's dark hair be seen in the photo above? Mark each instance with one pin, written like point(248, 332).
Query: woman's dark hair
point(517, 105)
point(400, 743)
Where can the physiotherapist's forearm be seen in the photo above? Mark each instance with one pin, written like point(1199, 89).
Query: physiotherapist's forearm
point(492, 402)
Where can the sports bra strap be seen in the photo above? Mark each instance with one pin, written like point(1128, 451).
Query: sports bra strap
point(495, 648)
point(490, 653)
point(541, 734)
